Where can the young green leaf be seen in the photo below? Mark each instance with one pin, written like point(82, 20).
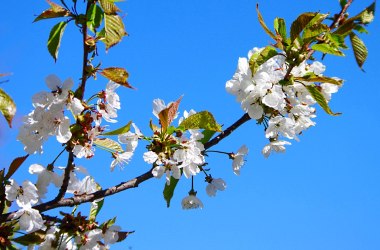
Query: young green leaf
point(108, 144)
point(7, 107)
point(113, 31)
point(109, 7)
point(201, 120)
point(117, 75)
point(94, 17)
point(262, 23)
point(55, 39)
point(315, 78)
point(327, 49)
point(54, 11)
point(16, 163)
point(119, 131)
point(320, 99)
point(95, 209)
point(299, 24)
point(207, 135)
point(261, 57)
point(280, 27)
point(169, 190)
point(359, 48)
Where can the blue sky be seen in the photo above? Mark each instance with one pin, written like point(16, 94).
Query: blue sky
point(322, 194)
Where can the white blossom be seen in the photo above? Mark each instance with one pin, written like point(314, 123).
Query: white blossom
point(238, 159)
point(25, 195)
point(191, 202)
point(277, 146)
point(121, 159)
point(30, 219)
point(45, 177)
point(215, 185)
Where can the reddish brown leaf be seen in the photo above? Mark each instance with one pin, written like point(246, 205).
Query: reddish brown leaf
point(167, 115)
point(54, 11)
point(117, 75)
point(16, 163)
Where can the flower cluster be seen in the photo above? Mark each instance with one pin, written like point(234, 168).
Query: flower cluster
point(48, 117)
point(25, 196)
point(284, 107)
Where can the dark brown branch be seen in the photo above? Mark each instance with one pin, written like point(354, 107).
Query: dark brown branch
point(227, 132)
point(66, 178)
point(86, 49)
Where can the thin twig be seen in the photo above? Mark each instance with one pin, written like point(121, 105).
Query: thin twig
point(66, 178)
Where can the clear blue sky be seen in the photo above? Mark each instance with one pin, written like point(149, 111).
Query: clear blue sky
point(324, 193)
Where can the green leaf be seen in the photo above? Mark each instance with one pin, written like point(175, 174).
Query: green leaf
point(119, 131)
point(108, 144)
point(327, 49)
point(280, 27)
point(35, 238)
point(167, 115)
point(359, 48)
point(7, 107)
point(109, 7)
point(315, 78)
point(169, 190)
point(113, 31)
point(207, 135)
point(201, 120)
point(55, 37)
point(310, 33)
point(300, 23)
point(320, 99)
point(94, 17)
point(359, 28)
point(117, 75)
point(16, 163)
point(95, 209)
point(262, 23)
point(54, 11)
point(261, 57)
point(345, 28)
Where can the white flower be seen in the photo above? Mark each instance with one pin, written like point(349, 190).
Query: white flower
point(215, 185)
point(64, 241)
point(107, 111)
point(121, 159)
point(238, 159)
point(76, 106)
point(59, 89)
point(112, 98)
point(189, 156)
point(89, 240)
point(277, 146)
point(191, 201)
point(130, 139)
point(150, 157)
point(111, 235)
point(30, 219)
point(87, 151)
point(45, 177)
point(282, 125)
point(25, 196)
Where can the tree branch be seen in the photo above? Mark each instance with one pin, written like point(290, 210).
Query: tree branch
point(66, 178)
point(227, 132)
point(340, 16)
